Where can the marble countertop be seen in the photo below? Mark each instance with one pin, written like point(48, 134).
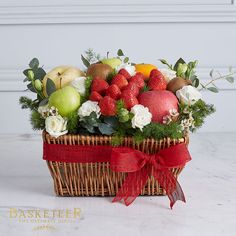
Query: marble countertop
point(209, 183)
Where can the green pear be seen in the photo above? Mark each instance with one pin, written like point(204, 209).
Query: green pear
point(113, 62)
point(66, 100)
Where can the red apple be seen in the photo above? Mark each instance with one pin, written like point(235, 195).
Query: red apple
point(159, 102)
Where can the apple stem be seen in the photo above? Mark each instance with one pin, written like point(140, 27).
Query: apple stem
point(107, 54)
point(60, 82)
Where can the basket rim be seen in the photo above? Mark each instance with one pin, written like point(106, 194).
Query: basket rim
point(46, 135)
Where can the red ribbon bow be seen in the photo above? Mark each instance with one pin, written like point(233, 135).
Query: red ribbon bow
point(137, 164)
point(140, 166)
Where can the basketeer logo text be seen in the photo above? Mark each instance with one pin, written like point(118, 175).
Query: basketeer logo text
point(45, 219)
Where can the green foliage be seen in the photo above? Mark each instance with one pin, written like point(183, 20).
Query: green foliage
point(88, 83)
point(50, 87)
point(90, 57)
point(153, 130)
point(120, 53)
point(73, 123)
point(200, 110)
point(28, 103)
point(37, 122)
point(184, 70)
point(211, 86)
point(35, 74)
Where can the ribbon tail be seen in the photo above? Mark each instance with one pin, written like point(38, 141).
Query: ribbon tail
point(170, 184)
point(132, 186)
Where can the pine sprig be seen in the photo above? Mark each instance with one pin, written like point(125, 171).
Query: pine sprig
point(200, 110)
point(73, 123)
point(37, 122)
point(28, 103)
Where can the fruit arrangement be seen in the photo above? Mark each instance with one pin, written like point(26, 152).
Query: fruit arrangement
point(116, 97)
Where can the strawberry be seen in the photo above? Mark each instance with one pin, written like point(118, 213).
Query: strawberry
point(120, 81)
point(99, 85)
point(95, 96)
point(138, 80)
point(154, 72)
point(157, 82)
point(133, 87)
point(107, 106)
point(113, 91)
point(125, 73)
point(129, 99)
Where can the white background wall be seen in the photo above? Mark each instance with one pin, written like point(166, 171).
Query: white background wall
point(57, 32)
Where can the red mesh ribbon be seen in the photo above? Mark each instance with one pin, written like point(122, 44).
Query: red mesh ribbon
point(137, 164)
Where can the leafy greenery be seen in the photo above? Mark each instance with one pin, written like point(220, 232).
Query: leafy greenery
point(37, 122)
point(184, 70)
point(28, 103)
point(50, 87)
point(73, 123)
point(153, 130)
point(88, 83)
point(90, 57)
point(211, 86)
point(199, 110)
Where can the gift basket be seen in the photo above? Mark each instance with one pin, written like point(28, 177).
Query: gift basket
point(117, 128)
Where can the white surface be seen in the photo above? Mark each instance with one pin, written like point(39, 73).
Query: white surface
point(208, 182)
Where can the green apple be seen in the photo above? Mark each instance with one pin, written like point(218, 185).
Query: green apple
point(113, 62)
point(66, 100)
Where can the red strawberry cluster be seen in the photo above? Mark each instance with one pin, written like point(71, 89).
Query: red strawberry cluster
point(125, 87)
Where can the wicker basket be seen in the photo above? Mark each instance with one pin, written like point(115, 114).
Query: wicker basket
point(96, 179)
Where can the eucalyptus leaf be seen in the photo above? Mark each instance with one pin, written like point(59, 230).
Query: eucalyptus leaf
point(50, 87)
point(85, 61)
point(88, 127)
point(25, 72)
point(211, 73)
point(111, 120)
point(31, 88)
point(126, 60)
point(26, 79)
point(196, 83)
point(34, 63)
point(39, 73)
point(180, 60)
point(230, 79)
point(105, 129)
point(120, 53)
point(43, 102)
point(164, 62)
point(213, 89)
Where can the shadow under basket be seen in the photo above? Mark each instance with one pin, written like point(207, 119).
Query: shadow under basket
point(97, 179)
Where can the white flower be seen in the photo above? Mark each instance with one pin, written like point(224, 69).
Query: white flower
point(142, 116)
point(44, 110)
point(188, 95)
point(79, 84)
point(87, 108)
point(173, 112)
point(167, 119)
point(56, 126)
point(168, 74)
point(128, 67)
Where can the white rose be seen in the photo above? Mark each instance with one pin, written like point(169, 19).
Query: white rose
point(79, 84)
point(87, 108)
point(128, 67)
point(142, 116)
point(188, 95)
point(56, 126)
point(168, 74)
